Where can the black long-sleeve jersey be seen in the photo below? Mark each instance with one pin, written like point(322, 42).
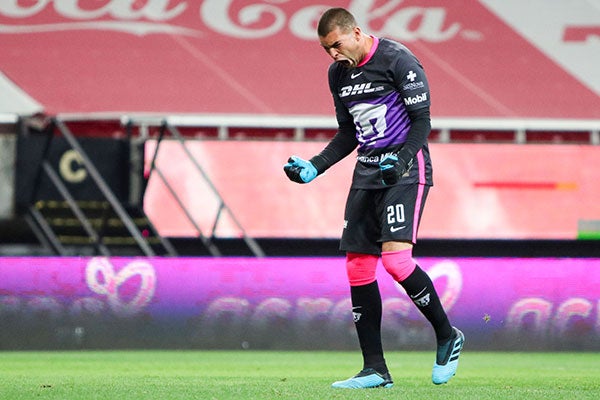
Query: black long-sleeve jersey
point(382, 106)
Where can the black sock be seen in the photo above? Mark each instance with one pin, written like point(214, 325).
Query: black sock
point(366, 310)
point(420, 288)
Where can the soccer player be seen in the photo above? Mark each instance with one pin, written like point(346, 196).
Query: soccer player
point(381, 98)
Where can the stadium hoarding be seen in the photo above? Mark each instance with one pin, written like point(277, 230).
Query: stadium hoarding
point(288, 303)
point(481, 190)
point(491, 58)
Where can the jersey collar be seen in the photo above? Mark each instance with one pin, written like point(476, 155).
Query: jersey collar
point(371, 52)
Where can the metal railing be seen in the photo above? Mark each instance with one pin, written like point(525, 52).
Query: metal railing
point(225, 124)
point(40, 223)
point(165, 128)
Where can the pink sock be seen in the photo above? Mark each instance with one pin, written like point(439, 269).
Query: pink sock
point(399, 264)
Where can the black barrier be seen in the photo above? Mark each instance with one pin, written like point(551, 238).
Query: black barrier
point(110, 156)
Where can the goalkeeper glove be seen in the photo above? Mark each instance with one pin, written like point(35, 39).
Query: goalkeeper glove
point(392, 168)
point(299, 170)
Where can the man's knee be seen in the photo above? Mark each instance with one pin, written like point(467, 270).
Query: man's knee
point(399, 264)
point(361, 268)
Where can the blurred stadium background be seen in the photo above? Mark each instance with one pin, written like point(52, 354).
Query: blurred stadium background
point(133, 129)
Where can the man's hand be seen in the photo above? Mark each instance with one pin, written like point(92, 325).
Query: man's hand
point(299, 170)
point(392, 168)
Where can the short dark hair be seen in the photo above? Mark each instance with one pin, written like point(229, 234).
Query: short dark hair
point(335, 18)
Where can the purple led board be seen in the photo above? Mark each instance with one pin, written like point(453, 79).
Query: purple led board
point(499, 303)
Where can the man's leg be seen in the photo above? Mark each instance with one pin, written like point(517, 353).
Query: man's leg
point(419, 287)
point(366, 311)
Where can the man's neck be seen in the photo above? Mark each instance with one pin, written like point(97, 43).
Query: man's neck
point(369, 46)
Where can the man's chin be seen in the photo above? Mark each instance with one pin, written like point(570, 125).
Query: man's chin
point(345, 63)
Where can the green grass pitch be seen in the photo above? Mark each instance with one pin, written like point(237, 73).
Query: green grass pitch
point(304, 375)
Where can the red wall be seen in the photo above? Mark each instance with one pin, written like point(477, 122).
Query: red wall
point(481, 191)
point(487, 58)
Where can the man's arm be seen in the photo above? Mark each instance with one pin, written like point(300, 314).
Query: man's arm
point(420, 127)
point(342, 144)
point(395, 165)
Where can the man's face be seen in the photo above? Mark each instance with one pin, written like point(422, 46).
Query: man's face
point(343, 47)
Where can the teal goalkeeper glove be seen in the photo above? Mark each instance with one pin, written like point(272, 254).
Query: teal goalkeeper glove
point(392, 168)
point(299, 170)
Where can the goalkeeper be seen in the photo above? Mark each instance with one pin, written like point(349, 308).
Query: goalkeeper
point(381, 98)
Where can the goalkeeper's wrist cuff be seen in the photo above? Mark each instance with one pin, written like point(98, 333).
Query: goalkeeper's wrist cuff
point(320, 163)
point(404, 156)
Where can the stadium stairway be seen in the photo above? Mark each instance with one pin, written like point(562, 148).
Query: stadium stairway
point(95, 228)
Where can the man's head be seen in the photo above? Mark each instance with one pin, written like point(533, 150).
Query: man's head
point(341, 37)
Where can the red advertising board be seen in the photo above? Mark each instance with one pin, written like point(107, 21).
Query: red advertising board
point(494, 191)
point(483, 58)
